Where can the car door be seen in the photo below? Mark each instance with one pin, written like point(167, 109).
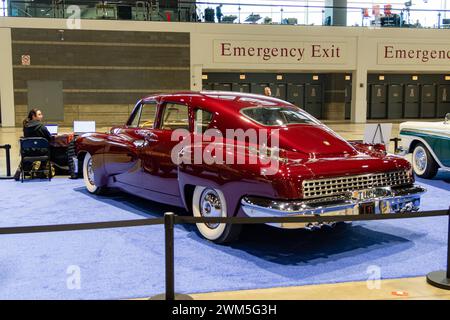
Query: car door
point(122, 156)
point(159, 171)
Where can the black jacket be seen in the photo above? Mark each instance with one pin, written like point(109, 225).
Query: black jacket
point(35, 128)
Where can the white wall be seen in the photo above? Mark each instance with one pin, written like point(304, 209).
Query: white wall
point(359, 47)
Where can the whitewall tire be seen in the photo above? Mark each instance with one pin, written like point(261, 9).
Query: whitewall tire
point(88, 175)
point(210, 202)
point(423, 162)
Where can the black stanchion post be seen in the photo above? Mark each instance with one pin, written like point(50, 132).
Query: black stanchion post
point(7, 148)
point(8, 160)
point(441, 279)
point(170, 257)
point(169, 222)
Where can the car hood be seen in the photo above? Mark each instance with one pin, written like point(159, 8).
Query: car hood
point(313, 141)
point(425, 126)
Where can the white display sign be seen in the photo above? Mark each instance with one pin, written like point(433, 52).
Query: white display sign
point(378, 133)
point(276, 52)
point(83, 126)
point(414, 54)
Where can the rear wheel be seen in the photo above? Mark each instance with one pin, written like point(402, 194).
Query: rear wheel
point(88, 176)
point(210, 202)
point(423, 162)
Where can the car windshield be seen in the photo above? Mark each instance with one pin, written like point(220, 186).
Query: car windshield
point(278, 116)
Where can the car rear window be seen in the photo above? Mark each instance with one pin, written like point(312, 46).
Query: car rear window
point(278, 116)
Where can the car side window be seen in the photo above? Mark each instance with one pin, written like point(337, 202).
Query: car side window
point(202, 120)
point(137, 114)
point(148, 115)
point(175, 116)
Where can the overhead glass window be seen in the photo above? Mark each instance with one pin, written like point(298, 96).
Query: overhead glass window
point(202, 120)
point(3, 8)
point(175, 116)
point(278, 116)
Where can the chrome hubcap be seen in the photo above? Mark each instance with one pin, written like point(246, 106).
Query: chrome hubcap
point(420, 159)
point(210, 206)
point(90, 172)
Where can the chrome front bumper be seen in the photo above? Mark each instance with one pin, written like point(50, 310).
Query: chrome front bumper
point(376, 200)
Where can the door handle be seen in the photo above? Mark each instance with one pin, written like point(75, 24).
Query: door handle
point(151, 137)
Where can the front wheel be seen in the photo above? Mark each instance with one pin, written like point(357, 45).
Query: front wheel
point(423, 162)
point(88, 176)
point(210, 202)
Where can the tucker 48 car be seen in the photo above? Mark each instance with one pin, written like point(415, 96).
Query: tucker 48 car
point(186, 149)
point(429, 143)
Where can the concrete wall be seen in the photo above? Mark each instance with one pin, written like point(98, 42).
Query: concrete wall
point(103, 72)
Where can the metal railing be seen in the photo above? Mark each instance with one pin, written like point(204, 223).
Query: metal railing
point(439, 278)
point(250, 11)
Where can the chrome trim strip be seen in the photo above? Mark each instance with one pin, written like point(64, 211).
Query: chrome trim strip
point(386, 200)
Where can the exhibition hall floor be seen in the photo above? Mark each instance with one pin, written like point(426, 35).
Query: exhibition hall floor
point(126, 263)
point(129, 262)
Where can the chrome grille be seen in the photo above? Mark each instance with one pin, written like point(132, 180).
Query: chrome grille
point(338, 185)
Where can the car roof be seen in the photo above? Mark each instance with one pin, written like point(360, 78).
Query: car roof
point(229, 99)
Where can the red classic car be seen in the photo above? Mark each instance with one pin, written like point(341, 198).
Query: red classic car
point(314, 171)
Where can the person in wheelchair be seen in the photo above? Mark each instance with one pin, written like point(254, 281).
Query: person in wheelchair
point(34, 128)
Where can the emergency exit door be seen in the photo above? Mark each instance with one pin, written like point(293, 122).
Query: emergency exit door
point(428, 108)
point(207, 86)
point(313, 100)
point(443, 101)
point(222, 86)
point(395, 101)
point(412, 101)
point(296, 95)
point(377, 101)
point(241, 87)
point(279, 91)
point(258, 88)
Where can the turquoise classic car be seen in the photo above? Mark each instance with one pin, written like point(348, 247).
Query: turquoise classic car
point(429, 143)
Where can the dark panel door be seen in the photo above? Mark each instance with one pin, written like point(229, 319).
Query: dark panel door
point(48, 97)
point(348, 100)
point(395, 101)
point(296, 94)
point(258, 88)
point(279, 90)
point(377, 101)
point(443, 100)
point(412, 101)
point(222, 86)
point(313, 100)
point(241, 87)
point(207, 86)
point(428, 108)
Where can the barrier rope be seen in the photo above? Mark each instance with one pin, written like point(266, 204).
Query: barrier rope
point(437, 278)
point(231, 220)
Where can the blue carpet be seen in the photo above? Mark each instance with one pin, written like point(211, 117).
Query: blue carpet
point(129, 262)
